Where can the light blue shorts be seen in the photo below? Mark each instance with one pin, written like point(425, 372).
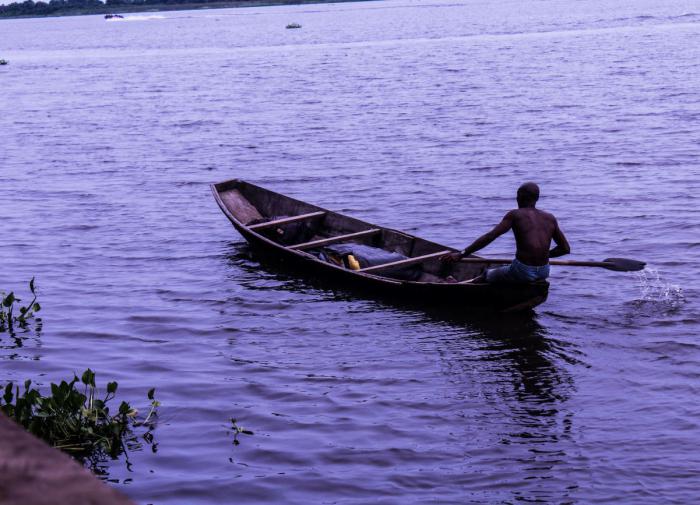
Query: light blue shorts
point(517, 272)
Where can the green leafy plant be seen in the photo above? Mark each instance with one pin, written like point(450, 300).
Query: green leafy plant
point(75, 419)
point(8, 316)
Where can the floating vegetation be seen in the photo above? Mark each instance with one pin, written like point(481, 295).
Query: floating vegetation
point(74, 419)
point(238, 430)
point(292, 26)
point(8, 315)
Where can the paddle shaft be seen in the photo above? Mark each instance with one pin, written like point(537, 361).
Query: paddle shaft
point(570, 263)
point(614, 264)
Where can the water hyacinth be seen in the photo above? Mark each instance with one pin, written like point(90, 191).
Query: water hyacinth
point(76, 419)
point(8, 315)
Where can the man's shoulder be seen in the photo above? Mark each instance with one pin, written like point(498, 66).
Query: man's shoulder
point(548, 217)
point(528, 211)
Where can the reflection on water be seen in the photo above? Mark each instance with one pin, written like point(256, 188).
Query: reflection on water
point(104, 467)
point(22, 343)
point(13, 346)
point(530, 358)
point(529, 371)
point(504, 367)
point(532, 355)
point(540, 387)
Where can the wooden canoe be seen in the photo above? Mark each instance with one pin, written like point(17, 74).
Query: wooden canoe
point(292, 232)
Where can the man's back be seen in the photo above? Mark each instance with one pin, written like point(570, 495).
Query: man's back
point(534, 230)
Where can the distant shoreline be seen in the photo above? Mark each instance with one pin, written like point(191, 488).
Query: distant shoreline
point(128, 9)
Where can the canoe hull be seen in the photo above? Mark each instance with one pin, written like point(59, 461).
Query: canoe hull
point(478, 297)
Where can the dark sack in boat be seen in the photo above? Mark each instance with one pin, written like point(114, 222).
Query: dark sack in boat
point(369, 256)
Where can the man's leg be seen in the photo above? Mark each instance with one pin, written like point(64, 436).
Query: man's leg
point(491, 275)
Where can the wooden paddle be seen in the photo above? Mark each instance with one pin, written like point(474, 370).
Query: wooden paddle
point(616, 264)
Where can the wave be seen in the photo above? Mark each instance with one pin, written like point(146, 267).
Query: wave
point(686, 15)
point(135, 18)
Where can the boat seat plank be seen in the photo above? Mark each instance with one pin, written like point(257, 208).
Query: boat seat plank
point(239, 205)
point(335, 240)
point(286, 220)
point(406, 262)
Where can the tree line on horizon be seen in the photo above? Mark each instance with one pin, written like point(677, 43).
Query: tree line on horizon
point(55, 7)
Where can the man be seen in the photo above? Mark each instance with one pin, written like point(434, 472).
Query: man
point(534, 230)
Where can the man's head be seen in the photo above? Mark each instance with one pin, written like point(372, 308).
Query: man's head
point(528, 194)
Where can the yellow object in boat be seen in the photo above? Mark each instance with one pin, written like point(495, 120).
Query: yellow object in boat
point(353, 263)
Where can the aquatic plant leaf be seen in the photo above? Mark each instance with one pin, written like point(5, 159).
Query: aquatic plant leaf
point(88, 378)
point(8, 393)
point(7, 305)
point(9, 300)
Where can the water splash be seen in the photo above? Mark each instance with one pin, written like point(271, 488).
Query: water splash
point(656, 293)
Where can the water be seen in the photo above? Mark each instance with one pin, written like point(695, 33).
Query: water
point(422, 116)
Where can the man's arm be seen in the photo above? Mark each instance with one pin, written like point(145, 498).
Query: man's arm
point(498, 230)
point(562, 246)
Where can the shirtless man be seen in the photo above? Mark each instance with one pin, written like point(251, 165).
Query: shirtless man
point(534, 230)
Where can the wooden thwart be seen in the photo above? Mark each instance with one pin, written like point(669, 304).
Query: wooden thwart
point(285, 220)
point(406, 262)
point(335, 240)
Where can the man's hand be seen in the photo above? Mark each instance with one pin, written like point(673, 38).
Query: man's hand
point(562, 247)
point(451, 258)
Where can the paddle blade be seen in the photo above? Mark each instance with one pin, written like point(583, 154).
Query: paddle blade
point(624, 264)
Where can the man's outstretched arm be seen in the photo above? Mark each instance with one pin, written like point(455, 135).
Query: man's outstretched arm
point(498, 230)
point(562, 246)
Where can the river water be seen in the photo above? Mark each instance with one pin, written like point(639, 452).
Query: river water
point(422, 116)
